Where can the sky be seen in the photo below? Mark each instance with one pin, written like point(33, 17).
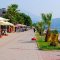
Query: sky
point(34, 8)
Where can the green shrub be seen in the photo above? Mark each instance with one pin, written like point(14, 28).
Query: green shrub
point(54, 31)
point(42, 45)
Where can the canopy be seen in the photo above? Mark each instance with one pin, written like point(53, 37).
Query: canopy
point(3, 19)
point(2, 23)
point(17, 25)
point(24, 25)
point(6, 23)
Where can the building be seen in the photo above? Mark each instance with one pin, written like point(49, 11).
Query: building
point(2, 11)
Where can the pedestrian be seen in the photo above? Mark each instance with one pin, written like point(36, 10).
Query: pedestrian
point(34, 29)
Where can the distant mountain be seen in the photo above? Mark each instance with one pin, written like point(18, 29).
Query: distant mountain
point(55, 23)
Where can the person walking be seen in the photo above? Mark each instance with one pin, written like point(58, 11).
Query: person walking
point(34, 29)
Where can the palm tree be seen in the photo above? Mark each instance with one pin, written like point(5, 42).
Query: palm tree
point(47, 20)
point(40, 27)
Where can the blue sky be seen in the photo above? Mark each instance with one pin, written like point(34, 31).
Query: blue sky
point(35, 7)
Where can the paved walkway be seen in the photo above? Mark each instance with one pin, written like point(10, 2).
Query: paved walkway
point(18, 46)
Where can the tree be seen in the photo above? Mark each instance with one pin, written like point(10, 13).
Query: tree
point(34, 24)
point(27, 20)
point(47, 20)
point(40, 27)
point(17, 17)
point(12, 13)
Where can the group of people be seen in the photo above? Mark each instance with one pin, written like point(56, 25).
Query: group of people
point(20, 29)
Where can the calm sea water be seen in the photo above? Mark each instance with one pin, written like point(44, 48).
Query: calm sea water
point(56, 24)
point(56, 27)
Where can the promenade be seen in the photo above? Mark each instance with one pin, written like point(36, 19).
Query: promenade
point(19, 46)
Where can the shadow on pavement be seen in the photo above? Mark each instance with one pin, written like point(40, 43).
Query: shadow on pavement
point(28, 42)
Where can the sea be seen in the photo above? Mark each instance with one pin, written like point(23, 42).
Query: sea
point(55, 24)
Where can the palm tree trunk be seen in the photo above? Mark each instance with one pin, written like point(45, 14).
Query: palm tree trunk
point(47, 34)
